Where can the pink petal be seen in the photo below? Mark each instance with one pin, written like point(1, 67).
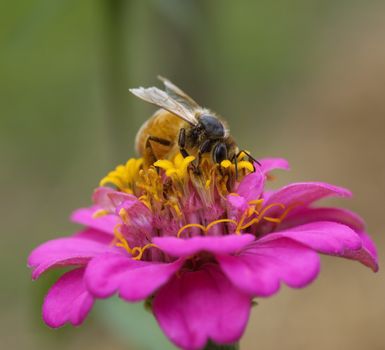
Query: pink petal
point(323, 236)
point(134, 280)
point(237, 206)
point(259, 270)
point(67, 301)
point(101, 198)
point(184, 247)
point(105, 223)
point(140, 217)
point(251, 186)
point(201, 305)
point(302, 194)
point(367, 255)
point(307, 215)
point(94, 235)
point(269, 164)
point(63, 252)
point(109, 199)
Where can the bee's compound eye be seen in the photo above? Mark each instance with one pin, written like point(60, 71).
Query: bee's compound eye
point(219, 153)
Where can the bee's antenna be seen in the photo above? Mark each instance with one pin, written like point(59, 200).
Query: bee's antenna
point(249, 156)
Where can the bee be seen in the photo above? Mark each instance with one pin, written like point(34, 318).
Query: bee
point(182, 125)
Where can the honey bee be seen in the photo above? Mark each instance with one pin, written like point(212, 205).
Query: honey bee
point(181, 125)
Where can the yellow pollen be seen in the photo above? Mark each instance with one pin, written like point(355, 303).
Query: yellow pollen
point(226, 164)
point(243, 164)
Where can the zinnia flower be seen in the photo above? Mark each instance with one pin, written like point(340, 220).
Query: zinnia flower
point(197, 246)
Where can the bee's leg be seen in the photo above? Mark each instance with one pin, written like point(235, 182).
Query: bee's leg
point(150, 151)
point(182, 142)
point(205, 147)
point(159, 140)
point(236, 167)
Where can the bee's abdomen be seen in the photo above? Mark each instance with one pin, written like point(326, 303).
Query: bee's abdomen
point(162, 125)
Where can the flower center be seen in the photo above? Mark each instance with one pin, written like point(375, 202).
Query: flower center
point(175, 187)
point(182, 199)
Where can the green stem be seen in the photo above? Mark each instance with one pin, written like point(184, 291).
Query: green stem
point(213, 346)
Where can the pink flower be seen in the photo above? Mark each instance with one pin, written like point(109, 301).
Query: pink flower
point(201, 247)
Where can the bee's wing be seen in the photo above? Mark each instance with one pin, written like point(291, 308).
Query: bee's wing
point(164, 100)
point(178, 94)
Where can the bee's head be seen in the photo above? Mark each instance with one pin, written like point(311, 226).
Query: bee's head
point(212, 126)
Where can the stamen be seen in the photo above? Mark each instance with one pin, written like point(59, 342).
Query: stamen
point(124, 215)
point(260, 216)
point(122, 242)
point(188, 226)
point(256, 201)
point(141, 250)
point(99, 213)
point(274, 220)
point(211, 224)
point(177, 210)
point(208, 227)
point(240, 223)
point(290, 207)
point(280, 205)
point(145, 201)
point(223, 184)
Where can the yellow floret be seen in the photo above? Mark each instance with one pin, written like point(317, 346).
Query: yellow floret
point(124, 176)
point(176, 168)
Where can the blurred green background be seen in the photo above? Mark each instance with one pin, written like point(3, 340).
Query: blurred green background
point(301, 79)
